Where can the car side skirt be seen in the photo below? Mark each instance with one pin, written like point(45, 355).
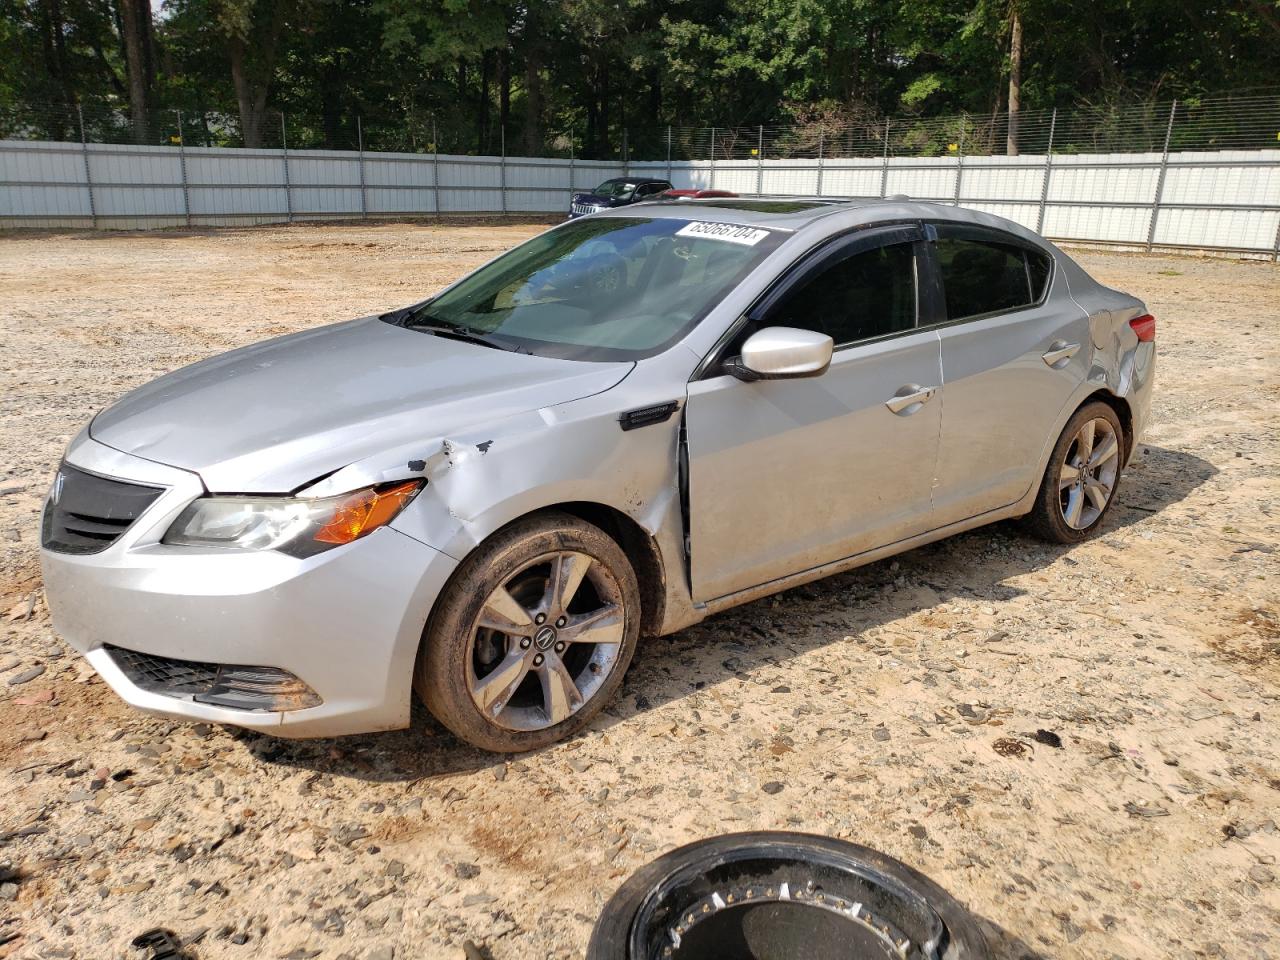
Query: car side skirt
point(721, 604)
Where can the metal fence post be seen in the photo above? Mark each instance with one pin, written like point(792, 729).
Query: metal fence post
point(884, 169)
point(88, 176)
point(760, 161)
point(1164, 167)
point(626, 154)
point(364, 200)
point(668, 153)
point(822, 134)
point(571, 169)
point(502, 170)
point(435, 168)
point(1048, 169)
point(1275, 252)
point(284, 150)
point(713, 158)
point(182, 164)
point(960, 157)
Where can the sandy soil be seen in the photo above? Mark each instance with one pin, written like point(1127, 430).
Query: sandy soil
point(897, 705)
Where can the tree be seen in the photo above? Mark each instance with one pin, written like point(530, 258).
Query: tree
point(1015, 77)
point(135, 25)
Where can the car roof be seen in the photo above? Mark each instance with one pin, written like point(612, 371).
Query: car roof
point(635, 180)
point(794, 213)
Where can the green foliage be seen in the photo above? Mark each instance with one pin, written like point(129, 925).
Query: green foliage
point(570, 74)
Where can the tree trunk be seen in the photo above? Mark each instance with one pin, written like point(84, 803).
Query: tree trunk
point(483, 139)
point(1015, 80)
point(532, 103)
point(53, 31)
point(250, 118)
point(533, 44)
point(504, 88)
point(252, 78)
point(135, 21)
point(589, 142)
point(602, 117)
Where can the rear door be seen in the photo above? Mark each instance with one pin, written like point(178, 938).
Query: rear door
point(1015, 347)
point(785, 475)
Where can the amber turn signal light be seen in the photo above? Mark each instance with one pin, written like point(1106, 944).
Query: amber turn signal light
point(366, 510)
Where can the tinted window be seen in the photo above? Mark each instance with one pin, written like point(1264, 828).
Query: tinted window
point(863, 296)
point(984, 277)
point(1038, 265)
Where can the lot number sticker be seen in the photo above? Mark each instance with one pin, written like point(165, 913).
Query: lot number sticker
point(728, 232)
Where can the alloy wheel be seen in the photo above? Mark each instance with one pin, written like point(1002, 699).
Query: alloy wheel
point(545, 641)
point(1088, 474)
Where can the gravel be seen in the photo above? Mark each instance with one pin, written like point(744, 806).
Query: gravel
point(874, 699)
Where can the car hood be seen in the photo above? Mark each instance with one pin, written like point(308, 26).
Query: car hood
point(274, 416)
point(598, 200)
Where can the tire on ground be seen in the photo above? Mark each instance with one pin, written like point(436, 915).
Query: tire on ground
point(441, 673)
point(1045, 519)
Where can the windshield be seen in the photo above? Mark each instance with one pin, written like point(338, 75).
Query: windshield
point(614, 288)
point(616, 189)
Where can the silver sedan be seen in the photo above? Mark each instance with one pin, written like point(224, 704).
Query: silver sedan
point(628, 423)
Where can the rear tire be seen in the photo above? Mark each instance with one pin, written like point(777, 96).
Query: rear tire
point(532, 635)
point(1082, 476)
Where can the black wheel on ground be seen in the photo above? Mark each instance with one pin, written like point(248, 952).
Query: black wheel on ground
point(532, 635)
point(1080, 480)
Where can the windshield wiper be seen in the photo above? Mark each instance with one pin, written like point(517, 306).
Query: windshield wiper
point(441, 327)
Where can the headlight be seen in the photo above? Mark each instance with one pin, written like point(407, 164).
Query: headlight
point(298, 526)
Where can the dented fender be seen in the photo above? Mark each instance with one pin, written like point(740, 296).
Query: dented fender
point(479, 480)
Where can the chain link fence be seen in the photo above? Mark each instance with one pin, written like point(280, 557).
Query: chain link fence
point(1219, 123)
point(1226, 122)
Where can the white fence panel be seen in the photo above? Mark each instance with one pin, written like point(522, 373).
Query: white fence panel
point(1227, 200)
point(797, 178)
point(853, 178)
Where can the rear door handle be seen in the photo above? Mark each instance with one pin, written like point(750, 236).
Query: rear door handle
point(910, 398)
point(1059, 351)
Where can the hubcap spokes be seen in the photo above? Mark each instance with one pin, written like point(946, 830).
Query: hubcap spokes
point(561, 619)
point(1088, 473)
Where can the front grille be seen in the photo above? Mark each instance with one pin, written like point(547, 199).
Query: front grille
point(86, 513)
point(585, 208)
point(219, 684)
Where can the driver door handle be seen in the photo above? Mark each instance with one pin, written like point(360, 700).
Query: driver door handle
point(1058, 351)
point(909, 399)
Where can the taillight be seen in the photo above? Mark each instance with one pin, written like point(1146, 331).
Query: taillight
point(1145, 327)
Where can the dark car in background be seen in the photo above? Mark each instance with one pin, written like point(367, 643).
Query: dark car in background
point(618, 192)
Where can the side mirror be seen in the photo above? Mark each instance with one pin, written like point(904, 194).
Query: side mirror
point(779, 353)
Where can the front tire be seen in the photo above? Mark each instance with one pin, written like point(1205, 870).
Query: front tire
point(1081, 478)
point(532, 635)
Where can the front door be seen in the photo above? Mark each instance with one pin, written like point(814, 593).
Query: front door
point(786, 475)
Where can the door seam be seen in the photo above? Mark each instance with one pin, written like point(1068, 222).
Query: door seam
point(942, 412)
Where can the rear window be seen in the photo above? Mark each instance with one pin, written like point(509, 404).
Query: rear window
point(982, 277)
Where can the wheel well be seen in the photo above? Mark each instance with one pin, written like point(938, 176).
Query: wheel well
point(641, 550)
point(1121, 406)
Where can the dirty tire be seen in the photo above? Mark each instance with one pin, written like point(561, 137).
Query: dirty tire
point(446, 677)
point(1046, 519)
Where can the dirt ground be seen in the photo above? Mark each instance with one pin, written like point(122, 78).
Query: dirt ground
point(916, 705)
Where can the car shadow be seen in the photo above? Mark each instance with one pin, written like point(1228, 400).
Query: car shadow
point(976, 566)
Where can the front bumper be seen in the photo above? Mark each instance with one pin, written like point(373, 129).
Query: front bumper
point(347, 622)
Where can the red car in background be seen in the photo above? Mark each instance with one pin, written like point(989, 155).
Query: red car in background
point(694, 194)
